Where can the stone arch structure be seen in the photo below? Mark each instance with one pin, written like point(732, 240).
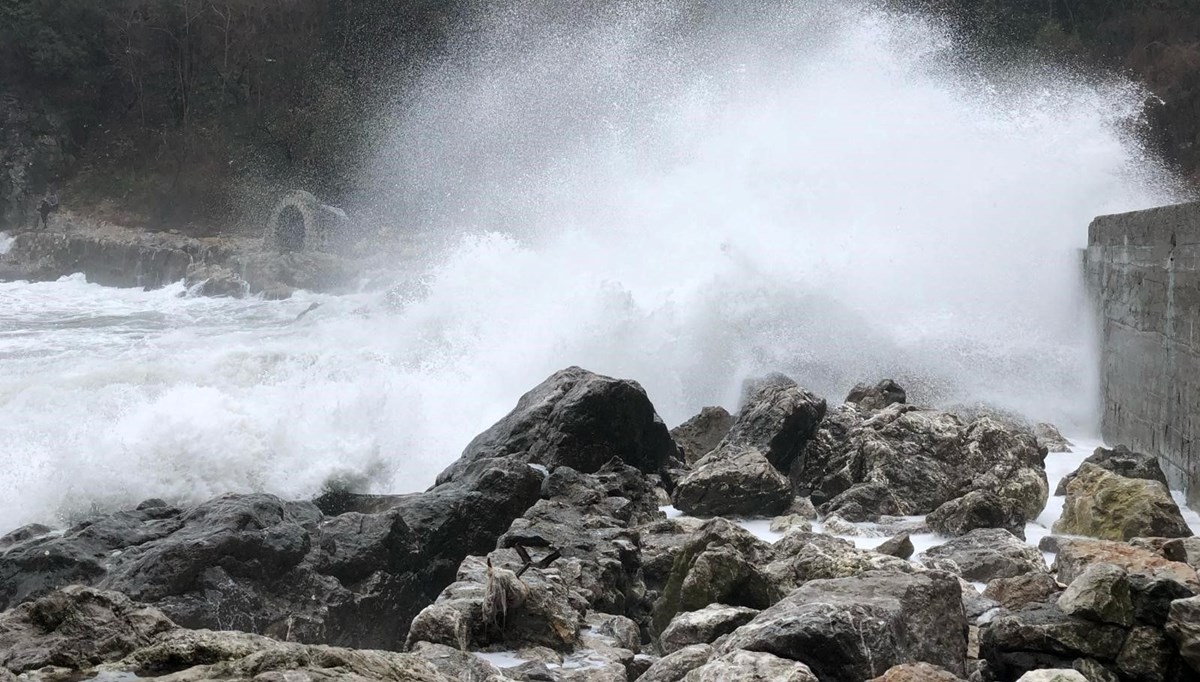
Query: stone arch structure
point(300, 222)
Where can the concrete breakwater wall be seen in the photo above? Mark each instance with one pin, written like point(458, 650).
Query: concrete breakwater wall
point(1143, 272)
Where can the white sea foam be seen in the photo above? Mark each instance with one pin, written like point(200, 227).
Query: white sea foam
point(820, 189)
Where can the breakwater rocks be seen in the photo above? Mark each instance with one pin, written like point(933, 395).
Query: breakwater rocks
point(114, 256)
point(550, 551)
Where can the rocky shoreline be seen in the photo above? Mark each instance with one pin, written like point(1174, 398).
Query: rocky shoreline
point(578, 539)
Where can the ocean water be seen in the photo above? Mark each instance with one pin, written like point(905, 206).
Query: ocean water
point(685, 198)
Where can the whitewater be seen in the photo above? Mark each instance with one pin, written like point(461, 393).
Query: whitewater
point(834, 192)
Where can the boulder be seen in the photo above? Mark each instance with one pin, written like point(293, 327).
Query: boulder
point(675, 666)
point(1104, 505)
point(751, 666)
point(877, 397)
point(1076, 554)
point(721, 563)
point(1049, 437)
point(1183, 626)
point(917, 672)
point(1042, 636)
point(457, 664)
point(857, 628)
point(732, 482)
point(259, 564)
point(703, 626)
point(1102, 594)
point(76, 628)
point(1152, 596)
point(777, 418)
point(1186, 550)
point(900, 546)
point(802, 556)
point(578, 419)
point(978, 509)
point(987, 553)
point(1147, 654)
point(203, 655)
point(699, 435)
point(1058, 675)
point(1017, 591)
point(905, 461)
point(1121, 461)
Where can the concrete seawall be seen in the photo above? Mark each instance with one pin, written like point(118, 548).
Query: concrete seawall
point(1143, 271)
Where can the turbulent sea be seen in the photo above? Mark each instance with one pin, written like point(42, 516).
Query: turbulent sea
point(830, 191)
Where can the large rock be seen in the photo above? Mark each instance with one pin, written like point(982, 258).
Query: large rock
point(978, 509)
point(1054, 675)
point(917, 672)
point(1121, 461)
point(675, 666)
point(1102, 594)
point(259, 564)
point(1183, 625)
point(1042, 636)
point(77, 628)
point(704, 626)
point(732, 482)
point(1104, 505)
point(1017, 591)
point(987, 553)
point(777, 418)
point(751, 666)
point(877, 397)
point(578, 419)
point(1074, 555)
point(906, 461)
point(699, 435)
point(852, 629)
point(1049, 437)
point(1148, 654)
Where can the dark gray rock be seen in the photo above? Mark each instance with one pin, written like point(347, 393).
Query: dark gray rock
point(777, 418)
point(852, 629)
point(703, 626)
point(1152, 596)
point(675, 666)
point(732, 482)
point(1121, 461)
point(1042, 636)
point(988, 553)
point(578, 419)
point(699, 435)
point(1147, 654)
point(899, 546)
point(978, 509)
point(877, 397)
point(76, 628)
point(1017, 591)
point(1183, 626)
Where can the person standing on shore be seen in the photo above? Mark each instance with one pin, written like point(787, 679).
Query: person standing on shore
point(49, 205)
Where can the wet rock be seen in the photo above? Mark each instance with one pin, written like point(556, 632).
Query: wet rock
point(777, 418)
point(978, 509)
point(1042, 636)
point(1094, 671)
point(1059, 675)
point(751, 666)
point(26, 532)
point(721, 563)
point(1049, 437)
point(1104, 505)
point(877, 397)
point(857, 628)
point(899, 546)
point(790, 522)
point(917, 672)
point(578, 419)
point(675, 666)
point(1101, 593)
point(1076, 554)
point(215, 280)
point(704, 626)
point(76, 628)
point(699, 435)
point(1183, 626)
point(1146, 655)
point(202, 655)
point(731, 482)
point(1120, 461)
point(1017, 591)
point(1152, 597)
point(905, 461)
point(988, 553)
point(812, 556)
point(456, 664)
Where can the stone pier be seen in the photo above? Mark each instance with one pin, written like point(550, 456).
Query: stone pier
point(1143, 271)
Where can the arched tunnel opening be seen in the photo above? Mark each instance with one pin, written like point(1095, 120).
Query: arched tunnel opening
point(291, 230)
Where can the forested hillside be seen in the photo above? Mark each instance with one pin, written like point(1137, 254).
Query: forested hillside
point(185, 112)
